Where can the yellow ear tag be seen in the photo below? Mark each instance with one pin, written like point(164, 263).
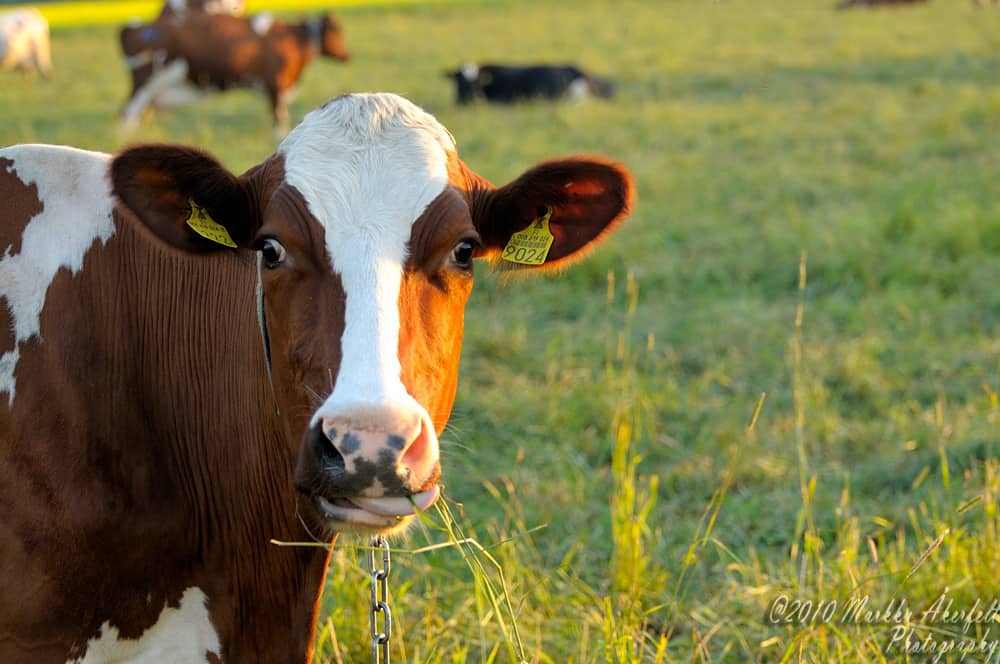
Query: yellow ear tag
point(208, 228)
point(530, 246)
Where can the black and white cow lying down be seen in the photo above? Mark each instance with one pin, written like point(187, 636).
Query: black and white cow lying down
point(507, 84)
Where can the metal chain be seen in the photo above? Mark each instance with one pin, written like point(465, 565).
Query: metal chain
point(379, 600)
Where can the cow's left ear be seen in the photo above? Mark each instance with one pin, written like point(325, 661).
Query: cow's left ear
point(570, 205)
point(186, 197)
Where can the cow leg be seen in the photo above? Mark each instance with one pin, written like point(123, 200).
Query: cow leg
point(279, 106)
point(172, 74)
point(42, 58)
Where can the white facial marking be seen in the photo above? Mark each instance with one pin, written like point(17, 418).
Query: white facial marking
point(368, 166)
point(182, 634)
point(579, 89)
point(470, 71)
point(77, 204)
point(261, 23)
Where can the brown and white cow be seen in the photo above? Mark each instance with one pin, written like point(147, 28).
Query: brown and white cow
point(176, 61)
point(149, 449)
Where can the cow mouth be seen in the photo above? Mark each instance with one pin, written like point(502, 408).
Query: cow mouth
point(377, 513)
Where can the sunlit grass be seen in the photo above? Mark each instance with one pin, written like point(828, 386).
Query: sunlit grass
point(817, 221)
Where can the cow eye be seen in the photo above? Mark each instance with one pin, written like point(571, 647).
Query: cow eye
point(462, 253)
point(274, 253)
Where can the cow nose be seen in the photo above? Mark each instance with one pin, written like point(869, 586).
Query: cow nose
point(393, 453)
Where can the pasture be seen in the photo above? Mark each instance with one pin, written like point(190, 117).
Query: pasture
point(778, 380)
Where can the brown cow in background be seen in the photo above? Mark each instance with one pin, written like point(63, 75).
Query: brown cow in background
point(176, 61)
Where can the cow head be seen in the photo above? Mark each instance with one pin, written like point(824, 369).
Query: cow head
point(331, 38)
point(368, 223)
point(468, 82)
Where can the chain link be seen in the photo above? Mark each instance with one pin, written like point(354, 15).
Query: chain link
point(379, 600)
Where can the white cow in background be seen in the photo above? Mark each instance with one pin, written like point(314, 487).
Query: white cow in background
point(24, 41)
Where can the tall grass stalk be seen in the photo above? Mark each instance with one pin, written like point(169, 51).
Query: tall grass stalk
point(491, 593)
point(631, 499)
point(809, 558)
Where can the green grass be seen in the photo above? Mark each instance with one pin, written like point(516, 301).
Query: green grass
point(818, 222)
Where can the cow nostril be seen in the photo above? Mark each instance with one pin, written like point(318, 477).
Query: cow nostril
point(418, 455)
point(327, 455)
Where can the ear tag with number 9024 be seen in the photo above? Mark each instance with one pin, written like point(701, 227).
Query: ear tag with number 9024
point(202, 224)
point(530, 246)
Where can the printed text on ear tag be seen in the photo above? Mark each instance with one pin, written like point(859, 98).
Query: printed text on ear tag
point(530, 246)
point(208, 228)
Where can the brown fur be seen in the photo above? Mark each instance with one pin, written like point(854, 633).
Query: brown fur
point(21, 203)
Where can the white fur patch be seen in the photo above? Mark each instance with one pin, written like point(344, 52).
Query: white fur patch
point(179, 94)
point(470, 71)
point(579, 89)
point(77, 205)
point(233, 7)
point(261, 23)
point(182, 635)
point(368, 166)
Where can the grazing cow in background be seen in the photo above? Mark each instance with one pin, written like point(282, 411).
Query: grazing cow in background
point(498, 83)
point(193, 363)
point(848, 4)
point(24, 41)
point(181, 61)
point(182, 7)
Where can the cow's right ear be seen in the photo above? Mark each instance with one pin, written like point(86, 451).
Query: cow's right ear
point(175, 190)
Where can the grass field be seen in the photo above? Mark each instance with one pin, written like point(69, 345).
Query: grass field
point(776, 384)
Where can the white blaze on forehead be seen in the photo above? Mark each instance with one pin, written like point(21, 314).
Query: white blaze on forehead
point(76, 202)
point(368, 166)
point(181, 634)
